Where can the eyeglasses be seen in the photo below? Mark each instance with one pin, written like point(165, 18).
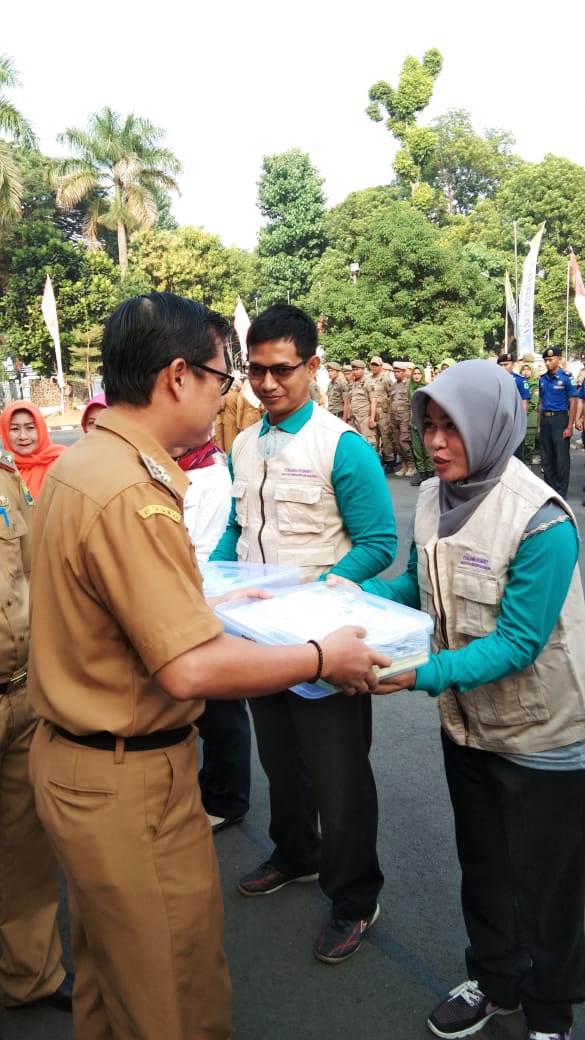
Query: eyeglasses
point(226, 381)
point(280, 372)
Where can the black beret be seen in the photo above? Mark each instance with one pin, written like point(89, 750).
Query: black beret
point(552, 352)
point(504, 358)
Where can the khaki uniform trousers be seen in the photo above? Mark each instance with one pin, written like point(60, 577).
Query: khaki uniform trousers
point(384, 439)
point(146, 913)
point(361, 423)
point(30, 947)
point(400, 424)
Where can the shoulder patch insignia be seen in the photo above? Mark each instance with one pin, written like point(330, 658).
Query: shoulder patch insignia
point(156, 471)
point(7, 461)
point(156, 509)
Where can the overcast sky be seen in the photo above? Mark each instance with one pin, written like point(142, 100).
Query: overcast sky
point(233, 81)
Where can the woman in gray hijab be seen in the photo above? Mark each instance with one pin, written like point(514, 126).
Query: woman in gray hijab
point(494, 562)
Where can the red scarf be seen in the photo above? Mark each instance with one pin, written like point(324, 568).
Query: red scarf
point(199, 458)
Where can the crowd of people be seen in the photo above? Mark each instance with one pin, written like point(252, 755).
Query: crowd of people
point(181, 462)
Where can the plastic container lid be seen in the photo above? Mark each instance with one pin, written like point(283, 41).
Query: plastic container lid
point(225, 576)
point(312, 611)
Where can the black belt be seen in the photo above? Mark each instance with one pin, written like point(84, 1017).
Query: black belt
point(555, 413)
point(105, 741)
point(14, 682)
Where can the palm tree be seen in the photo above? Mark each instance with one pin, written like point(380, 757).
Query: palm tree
point(19, 132)
point(121, 166)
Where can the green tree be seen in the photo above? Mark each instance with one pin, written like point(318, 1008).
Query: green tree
point(17, 130)
point(402, 105)
point(418, 295)
point(85, 354)
point(193, 263)
point(466, 166)
point(290, 197)
point(87, 287)
point(123, 166)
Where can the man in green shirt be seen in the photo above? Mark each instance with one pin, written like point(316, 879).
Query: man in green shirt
point(308, 489)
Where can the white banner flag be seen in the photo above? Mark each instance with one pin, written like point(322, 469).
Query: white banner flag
point(578, 287)
point(510, 303)
point(242, 324)
point(526, 302)
point(49, 309)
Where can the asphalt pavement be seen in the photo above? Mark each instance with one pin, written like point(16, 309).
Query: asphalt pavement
point(414, 953)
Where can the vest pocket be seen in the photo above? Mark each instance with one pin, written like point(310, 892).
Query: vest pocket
point(476, 602)
point(240, 494)
point(299, 509)
point(518, 699)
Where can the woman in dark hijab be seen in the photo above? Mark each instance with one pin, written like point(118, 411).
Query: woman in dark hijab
point(494, 562)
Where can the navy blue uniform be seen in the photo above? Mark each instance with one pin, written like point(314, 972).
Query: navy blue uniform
point(556, 390)
point(522, 386)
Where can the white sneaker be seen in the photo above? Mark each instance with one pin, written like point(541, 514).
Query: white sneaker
point(535, 1035)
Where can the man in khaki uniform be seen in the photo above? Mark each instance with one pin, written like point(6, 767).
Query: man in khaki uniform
point(400, 419)
point(337, 390)
point(361, 409)
point(381, 383)
point(30, 947)
point(124, 649)
point(348, 375)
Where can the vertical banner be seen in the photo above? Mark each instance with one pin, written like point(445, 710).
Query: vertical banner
point(526, 303)
point(578, 286)
point(49, 309)
point(511, 303)
point(242, 324)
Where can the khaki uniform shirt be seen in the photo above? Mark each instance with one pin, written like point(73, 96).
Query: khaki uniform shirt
point(16, 514)
point(116, 592)
point(337, 391)
point(361, 394)
point(381, 387)
point(400, 405)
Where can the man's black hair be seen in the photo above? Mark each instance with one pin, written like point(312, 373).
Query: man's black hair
point(147, 333)
point(282, 321)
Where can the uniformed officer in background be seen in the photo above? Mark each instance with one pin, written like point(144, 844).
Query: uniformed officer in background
point(381, 383)
point(124, 650)
point(506, 361)
point(558, 407)
point(361, 406)
point(348, 375)
point(30, 947)
point(337, 390)
point(527, 372)
point(400, 419)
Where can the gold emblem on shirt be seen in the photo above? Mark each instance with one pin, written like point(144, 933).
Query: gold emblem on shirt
point(162, 510)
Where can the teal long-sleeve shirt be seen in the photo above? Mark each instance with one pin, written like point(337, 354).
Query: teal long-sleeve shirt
point(362, 497)
point(538, 582)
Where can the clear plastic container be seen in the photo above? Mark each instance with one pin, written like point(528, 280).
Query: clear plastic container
point(220, 577)
point(312, 611)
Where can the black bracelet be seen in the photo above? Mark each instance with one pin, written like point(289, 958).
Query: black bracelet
point(316, 678)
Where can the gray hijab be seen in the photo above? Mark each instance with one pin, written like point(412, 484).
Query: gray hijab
point(483, 402)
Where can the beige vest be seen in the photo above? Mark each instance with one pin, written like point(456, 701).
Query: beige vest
point(286, 506)
point(462, 580)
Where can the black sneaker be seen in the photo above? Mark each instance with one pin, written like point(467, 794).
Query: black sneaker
point(266, 879)
point(340, 939)
point(465, 1011)
point(417, 479)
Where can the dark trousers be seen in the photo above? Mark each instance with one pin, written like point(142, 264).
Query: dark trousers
point(315, 755)
point(555, 452)
point(224, 777)
point(521, 843)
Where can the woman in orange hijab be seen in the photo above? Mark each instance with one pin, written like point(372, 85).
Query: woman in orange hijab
point(24, 433)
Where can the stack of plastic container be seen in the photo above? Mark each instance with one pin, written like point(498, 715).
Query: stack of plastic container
point(313, 611)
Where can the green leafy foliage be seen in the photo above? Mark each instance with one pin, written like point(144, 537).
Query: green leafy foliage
point(290, 197)
point(418, 295)
point(193, 263)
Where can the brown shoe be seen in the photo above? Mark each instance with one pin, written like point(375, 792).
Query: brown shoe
point(400, 472)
